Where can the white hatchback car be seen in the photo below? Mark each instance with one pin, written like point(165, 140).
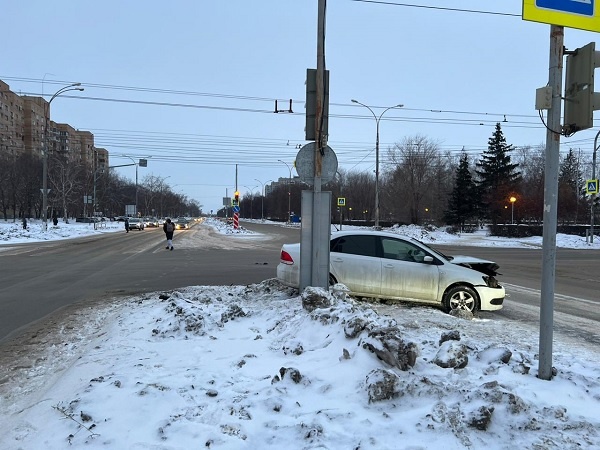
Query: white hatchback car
point(380, 264)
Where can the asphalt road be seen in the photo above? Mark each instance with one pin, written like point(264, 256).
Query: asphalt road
point(40, 279)
point(576, 300)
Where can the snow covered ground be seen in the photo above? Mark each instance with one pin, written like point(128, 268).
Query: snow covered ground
point(257, 367)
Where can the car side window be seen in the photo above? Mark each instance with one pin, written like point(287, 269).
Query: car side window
point(355, 245)
point(401, 250)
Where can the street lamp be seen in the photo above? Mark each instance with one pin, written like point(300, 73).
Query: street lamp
point(593, 195)
point(512, 212)
point(71, 87)
point(377, 119)
point(162, 194)
point(251, 198)
point(262, 199)
point(289, 192)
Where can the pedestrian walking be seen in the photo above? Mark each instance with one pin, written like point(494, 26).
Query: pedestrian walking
point(24, 223)
point(169, 229)
point(126, 225)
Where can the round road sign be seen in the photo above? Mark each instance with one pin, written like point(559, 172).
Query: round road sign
point(305, 164)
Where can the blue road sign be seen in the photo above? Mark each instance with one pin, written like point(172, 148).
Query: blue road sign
point(583, 7)
point(236, 208)
point(591, 186)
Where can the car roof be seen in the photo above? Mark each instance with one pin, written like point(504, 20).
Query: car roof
point(363, 232)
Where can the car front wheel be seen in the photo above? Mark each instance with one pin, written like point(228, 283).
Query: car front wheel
point(461, 297)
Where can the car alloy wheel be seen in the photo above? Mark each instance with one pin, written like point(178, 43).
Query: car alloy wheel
point(461, 297)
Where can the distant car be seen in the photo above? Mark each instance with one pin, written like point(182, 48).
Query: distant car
point(182, 224)
point(380, 264)
point(136, 224)
point(151, 222)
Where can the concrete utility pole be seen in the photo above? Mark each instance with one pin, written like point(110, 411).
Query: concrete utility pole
point(551, 203)
point(320, 236)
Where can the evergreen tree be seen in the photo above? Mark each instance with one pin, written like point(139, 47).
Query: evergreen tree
point(570, 188)
point(463, 202)
point(498, 178)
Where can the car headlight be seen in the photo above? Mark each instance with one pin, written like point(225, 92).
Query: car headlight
point(490, 281)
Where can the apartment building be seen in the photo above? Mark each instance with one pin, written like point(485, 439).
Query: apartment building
point(22, 126)
point(12, 121)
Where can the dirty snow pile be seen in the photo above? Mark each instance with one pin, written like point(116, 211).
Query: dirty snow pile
point(260, 367)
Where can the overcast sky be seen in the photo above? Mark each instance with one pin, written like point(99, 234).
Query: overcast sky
point(192, 84)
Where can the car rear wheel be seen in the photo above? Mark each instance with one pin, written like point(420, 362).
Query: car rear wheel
point(461, 297)
point(332, 280)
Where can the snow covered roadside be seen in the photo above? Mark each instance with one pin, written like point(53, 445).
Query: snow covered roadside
point(248, 367)
point(201, 367)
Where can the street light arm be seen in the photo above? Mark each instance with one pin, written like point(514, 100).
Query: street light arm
point(71, 87)
point(377, 119)
point(362, 104)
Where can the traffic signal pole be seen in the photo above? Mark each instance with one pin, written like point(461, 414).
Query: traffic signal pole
point(551, 171)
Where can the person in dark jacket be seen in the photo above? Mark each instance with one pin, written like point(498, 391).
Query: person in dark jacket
point(126, 225)
point(169, 229)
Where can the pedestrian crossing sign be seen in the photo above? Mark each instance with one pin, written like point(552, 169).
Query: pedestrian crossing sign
point(591, 186)
point(341, 201)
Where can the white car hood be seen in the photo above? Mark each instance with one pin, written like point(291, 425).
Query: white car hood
point(481, 265)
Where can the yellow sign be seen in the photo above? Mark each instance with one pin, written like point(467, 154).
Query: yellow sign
point(579, 14)
point(341, 201)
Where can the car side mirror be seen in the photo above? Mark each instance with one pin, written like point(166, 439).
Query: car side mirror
point(427, 259)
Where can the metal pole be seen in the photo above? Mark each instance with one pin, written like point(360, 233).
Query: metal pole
point(377, 227)
point(377, 120)
point(262, 203)
point(45, 173)
point(289, 191)
point(550, 203)
point(593, 195)
point(136, 190)
point(71, 87)
point(512, 214)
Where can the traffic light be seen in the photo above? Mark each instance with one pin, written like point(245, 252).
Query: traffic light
point(580, 99)
point(311, 105)
point(236, 198)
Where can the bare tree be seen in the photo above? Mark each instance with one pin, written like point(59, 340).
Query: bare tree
point(64, 178)
point(529, 206)
point(411, 172)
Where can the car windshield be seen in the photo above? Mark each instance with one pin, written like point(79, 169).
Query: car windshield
point(435, 252)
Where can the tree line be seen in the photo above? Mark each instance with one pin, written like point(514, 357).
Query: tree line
point(76, 190)
point(421, 184)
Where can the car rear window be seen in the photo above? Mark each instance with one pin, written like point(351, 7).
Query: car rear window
point(355, 245)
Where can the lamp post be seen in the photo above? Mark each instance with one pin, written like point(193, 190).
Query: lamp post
point(377, 119)
point(289, 192)
point(593, 195)
point(162, 194)
point(262, 199)
point(251, 198)
point(512, 200)
point(71, 87)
